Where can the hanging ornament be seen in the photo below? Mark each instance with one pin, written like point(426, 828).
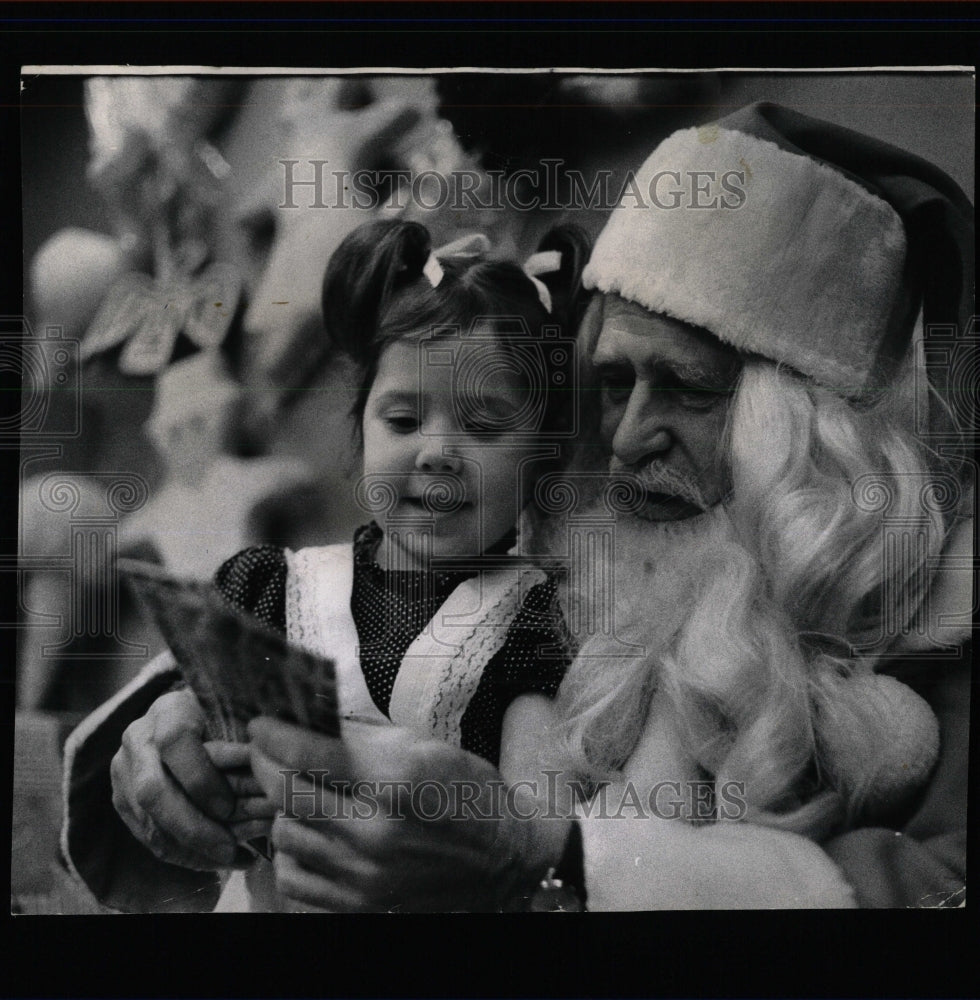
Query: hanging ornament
point(148, 315)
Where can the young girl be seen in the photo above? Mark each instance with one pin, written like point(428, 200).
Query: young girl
point(431, 626)
point(453, 416)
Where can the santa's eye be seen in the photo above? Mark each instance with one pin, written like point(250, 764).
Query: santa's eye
point(698, 397)
point(616, 383)
point(692, 394)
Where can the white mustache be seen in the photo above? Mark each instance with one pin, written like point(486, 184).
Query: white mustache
point(657, 478)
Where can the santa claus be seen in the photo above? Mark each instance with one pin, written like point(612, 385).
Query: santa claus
point(778, 634)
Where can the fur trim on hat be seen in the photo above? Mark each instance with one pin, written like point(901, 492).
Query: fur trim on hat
point(806, 270)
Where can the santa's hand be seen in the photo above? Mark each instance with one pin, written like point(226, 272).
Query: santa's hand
point(425, 826)
point(251, 805)
point(169, 791)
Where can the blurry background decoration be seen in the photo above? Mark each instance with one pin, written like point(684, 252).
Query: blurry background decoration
point(201, 513)
point(148, 316)
point(77, 640)
point(151, 161)
point(160, 179)
point(156, 235)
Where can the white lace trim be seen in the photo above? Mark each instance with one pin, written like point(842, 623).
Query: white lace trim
point(319, 582)
point(443, 667)
point(302, 626)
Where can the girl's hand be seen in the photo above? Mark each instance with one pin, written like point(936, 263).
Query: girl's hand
point(426, 826)
point(170, 792)
point(253, 812)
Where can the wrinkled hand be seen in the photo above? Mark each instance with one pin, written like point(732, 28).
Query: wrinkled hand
point(189, 801)
point(345, 852)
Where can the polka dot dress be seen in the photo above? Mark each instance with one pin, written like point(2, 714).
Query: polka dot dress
point(390, 610)
point(255, 581)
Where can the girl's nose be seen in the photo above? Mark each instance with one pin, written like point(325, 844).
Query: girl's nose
point(432, 456)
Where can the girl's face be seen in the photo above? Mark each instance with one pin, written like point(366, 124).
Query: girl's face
point(427, 426)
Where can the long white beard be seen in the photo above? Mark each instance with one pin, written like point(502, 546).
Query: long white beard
point(660, 572)
point(640, 590)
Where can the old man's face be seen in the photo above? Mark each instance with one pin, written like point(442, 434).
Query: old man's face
point(665, 388)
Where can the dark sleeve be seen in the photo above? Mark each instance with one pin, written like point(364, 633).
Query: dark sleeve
point(119, 871)
point(536, 654)
point(533, 659)
point(255, 582)
point(921, 862)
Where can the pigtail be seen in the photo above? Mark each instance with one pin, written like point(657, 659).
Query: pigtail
point(568, 298)
point(369, 267)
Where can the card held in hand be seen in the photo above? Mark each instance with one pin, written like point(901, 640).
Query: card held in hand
point(238, 667)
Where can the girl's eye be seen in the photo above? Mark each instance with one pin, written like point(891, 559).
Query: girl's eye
point(481, 428)
point(402, 423)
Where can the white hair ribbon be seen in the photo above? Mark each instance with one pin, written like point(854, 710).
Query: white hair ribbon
point(544, 262)
point(433, 270)
point(470, 245)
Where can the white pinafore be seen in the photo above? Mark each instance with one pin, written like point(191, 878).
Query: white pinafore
point(438, 676)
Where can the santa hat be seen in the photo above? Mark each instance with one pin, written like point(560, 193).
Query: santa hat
point(817, 254)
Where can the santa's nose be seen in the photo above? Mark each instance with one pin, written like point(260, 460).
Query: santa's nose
point(642, 431)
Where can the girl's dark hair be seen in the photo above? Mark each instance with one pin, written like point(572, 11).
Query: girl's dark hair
point(375, 292)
